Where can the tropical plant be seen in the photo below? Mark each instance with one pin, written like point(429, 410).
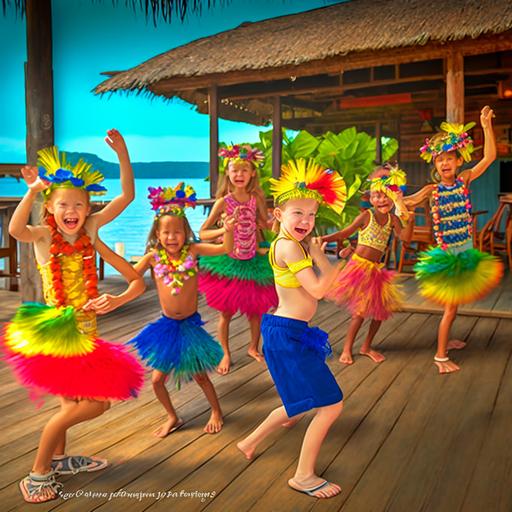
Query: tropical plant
point(349, 152)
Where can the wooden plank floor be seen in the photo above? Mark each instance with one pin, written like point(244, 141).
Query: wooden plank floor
point(407, 440)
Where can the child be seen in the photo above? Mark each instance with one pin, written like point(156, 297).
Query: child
point(295, 353)
point(364, 285)
point(242, 280)
point(177, 342)
point(453, 272)
point(54, 348)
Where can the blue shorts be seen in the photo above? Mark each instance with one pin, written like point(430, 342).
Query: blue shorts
point(295, 354)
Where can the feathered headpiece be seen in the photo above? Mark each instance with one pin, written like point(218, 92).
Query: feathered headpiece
point(55, 169)
point(172, 201)
point(243, 153)
point(389, 179)
point(300, 180)
point(452, 137)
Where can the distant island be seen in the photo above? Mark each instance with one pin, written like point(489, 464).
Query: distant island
point(181, 170)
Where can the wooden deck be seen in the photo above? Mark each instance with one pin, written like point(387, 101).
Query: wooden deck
point(407, 440)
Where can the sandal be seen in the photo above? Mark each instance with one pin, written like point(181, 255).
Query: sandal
point(73, 464)
point(40, 488)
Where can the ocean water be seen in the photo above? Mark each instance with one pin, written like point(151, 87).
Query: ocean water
point(129, 231)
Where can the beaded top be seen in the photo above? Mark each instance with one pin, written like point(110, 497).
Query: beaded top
point(451, 215)
point(374, 235)
point(244, 234)
point(74, 285)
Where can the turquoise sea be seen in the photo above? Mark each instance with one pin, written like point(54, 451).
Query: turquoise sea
point(132, 226)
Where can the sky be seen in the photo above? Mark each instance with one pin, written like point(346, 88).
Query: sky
point(90, 37)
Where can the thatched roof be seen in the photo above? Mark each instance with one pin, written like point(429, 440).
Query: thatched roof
point(344, 29)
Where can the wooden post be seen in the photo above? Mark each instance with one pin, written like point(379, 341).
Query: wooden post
point(213, 110)
point(277, 137)
point(455, 87)
point(39, 113)
point(378, 143)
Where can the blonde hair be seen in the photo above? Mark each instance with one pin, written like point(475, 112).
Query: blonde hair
point(153, 242)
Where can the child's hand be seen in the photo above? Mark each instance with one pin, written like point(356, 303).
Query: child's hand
point(486, 116)
point(317, 247)
point(34, 182)
point(116, 141)
point(229, 223)
point(102, 304)
point(346, 252)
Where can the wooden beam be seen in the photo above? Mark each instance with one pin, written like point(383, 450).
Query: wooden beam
point(213, 110)
point(277, 137)
point(455, 88)
point(39, 113)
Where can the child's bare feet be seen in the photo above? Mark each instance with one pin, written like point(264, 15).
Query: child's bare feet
point(246, 449)
point(256, 355)
point(455, 345)
point(375, 356)
point(346, 358)
point(315, 487)
point(445, 365)
point(214, 425)
point(168, 427)
point(224, 365)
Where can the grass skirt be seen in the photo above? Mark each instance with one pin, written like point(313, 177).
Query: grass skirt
point(181, 347)
point(450, 278)
point(48, 354)
point(232, 285)
point(295, 355)
point(366, 288)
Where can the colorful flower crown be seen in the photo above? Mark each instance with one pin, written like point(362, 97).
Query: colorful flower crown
point(452, 137)
point(244, 153)
point(300, 180)
point(389, 179)
point(172, 201)
point(55, 169)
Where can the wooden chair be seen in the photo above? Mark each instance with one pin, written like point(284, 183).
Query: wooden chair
point(492, 238)
point(422, 236)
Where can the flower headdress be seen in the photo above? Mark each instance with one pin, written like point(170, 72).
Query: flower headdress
point(389, 179)
point(300, 179)
point(452, 137)
point(239, 153)
point(173, 201)
point(55, 169)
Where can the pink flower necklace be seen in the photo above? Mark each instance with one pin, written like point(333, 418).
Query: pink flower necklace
point(174, 273)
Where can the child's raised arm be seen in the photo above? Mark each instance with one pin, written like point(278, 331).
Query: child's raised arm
point(106, 302)
point(206, 232)
point(206, 249)
point(358, 223)
point(418, 197)
point(19, 226)
point(469, 175)
point(116, 141)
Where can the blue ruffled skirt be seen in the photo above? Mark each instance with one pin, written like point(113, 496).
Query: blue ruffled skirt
point(295, 354)
point(181, 347)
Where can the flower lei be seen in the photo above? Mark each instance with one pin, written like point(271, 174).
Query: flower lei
point(174, 273)
point(59, 247)
point(436, 217)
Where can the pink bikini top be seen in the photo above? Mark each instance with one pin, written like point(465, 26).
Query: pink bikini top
point(245, 227)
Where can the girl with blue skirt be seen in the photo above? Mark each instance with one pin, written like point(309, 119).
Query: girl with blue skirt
point(454, 272)
point(177, 343)
point(295, 352)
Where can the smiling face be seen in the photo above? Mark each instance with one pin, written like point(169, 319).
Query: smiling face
point(381, 201)
point(297, 217)
point(171, 233)
point(70, 208)
point(446, 166)
point(240, 174)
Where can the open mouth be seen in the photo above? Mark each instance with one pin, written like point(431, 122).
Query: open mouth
point(301, 231)
point(71, 223)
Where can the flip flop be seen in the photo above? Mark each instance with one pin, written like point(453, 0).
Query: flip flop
point(34, 487)
point(73, 464)
point(311, 491)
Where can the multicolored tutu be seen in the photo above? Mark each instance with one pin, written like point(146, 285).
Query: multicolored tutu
point(181, 347)
point(50, 354)
point(295, 355)
point(450, 277)
point(366, 288)
point(232, 285)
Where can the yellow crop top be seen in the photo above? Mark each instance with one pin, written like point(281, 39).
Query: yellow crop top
point(374, 235)
point(285, 276)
